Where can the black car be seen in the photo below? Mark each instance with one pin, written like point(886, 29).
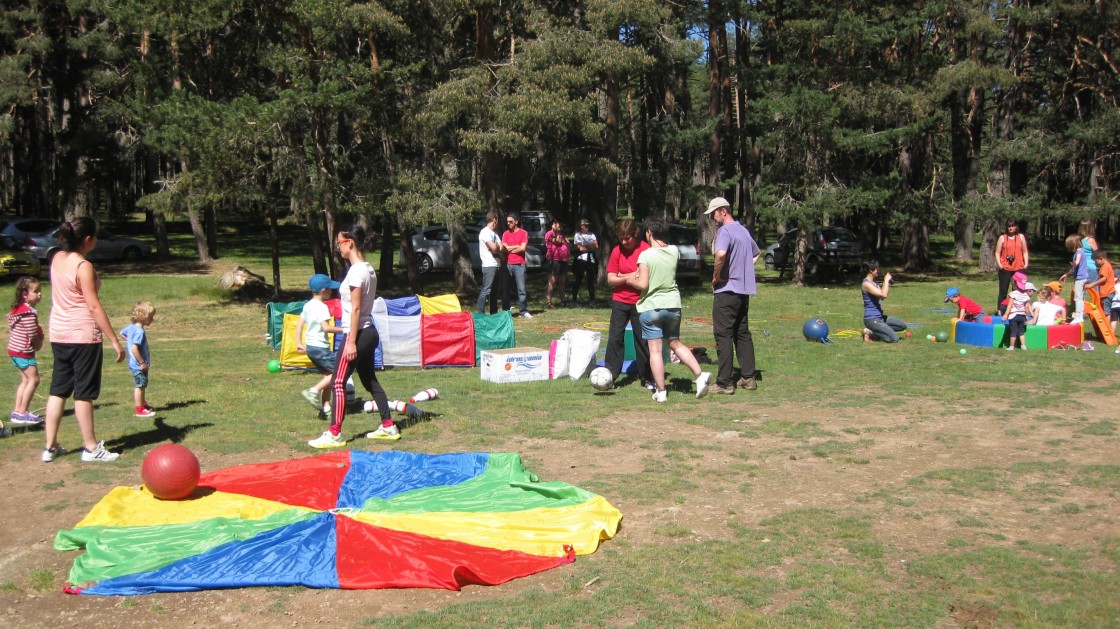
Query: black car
point(833, 248)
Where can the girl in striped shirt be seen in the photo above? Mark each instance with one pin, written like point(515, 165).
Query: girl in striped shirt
point(26, 339)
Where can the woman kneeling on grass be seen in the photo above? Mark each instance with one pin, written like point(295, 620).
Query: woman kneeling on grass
point(877, 325)
point(358, 291)
point(659, 308)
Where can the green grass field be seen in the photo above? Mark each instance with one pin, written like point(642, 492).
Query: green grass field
point(861, 485)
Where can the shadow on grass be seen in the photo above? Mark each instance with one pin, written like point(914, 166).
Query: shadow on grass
point(162, 432)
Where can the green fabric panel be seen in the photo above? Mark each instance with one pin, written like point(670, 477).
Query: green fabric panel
point(113, 551)
point(276, 313)
point(492, 332)
point(505, 486)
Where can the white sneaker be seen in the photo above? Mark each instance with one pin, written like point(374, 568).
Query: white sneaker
point(526, 315)
point(661, 397)
point(98, 454)
point(327, 440)
point(702, 384)
point(385, 433)
point(49, 454)
point(312, 397)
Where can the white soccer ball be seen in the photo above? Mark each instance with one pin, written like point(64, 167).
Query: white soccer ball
point(601, 379)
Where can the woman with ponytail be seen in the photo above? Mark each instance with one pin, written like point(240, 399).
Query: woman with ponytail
point(358, 291)
point(78, 326)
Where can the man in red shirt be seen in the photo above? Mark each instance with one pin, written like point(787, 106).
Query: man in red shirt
point(516, 241)
point(968, 310)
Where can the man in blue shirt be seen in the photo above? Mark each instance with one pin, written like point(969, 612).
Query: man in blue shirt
point(733, 283)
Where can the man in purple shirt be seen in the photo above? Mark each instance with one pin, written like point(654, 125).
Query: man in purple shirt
point(733, 284)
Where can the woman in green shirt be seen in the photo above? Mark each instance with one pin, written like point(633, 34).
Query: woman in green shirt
point(659, 308)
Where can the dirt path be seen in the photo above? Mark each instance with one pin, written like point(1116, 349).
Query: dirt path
point(744, 473)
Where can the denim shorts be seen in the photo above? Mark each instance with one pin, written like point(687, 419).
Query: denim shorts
point(140, 379)
point(661, 323)
point(23, 363)
point(323, 358)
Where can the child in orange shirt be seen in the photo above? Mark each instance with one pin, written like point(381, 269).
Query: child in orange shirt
point(1105, 285)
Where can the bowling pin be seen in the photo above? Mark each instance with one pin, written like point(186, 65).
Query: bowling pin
point(424, 396)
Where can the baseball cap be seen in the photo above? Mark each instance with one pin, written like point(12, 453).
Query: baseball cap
point(950, 293)
point(320, 282)
point(716, 204)
point(1029, 286)
point(1020, 279)
point(1054, 286)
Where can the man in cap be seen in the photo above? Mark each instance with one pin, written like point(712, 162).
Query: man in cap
point(733, 283)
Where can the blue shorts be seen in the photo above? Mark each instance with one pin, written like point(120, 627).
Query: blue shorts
point(1106, 302)
point(23, 363)
point(140, 379)
point(661, 323)
point(323, 359)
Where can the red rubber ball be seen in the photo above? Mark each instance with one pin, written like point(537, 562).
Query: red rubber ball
point(170, 472)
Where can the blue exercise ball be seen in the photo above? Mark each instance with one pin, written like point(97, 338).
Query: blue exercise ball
point(815, 330)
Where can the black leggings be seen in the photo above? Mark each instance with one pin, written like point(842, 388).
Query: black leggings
point(588, 269)
point(366, 343)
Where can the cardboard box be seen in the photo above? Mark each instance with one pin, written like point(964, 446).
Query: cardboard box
point(516, 364)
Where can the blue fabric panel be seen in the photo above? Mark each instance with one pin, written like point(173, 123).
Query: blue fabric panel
point(386, 474)
point(302, 553)
point(407, 306)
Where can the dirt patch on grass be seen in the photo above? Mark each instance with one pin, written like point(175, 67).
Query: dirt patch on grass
point(928, 480)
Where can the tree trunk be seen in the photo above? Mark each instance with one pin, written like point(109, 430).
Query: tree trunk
point(199, 232)
point(385, 274)
point(990, 235)
point(274, 238)
point(465, 284)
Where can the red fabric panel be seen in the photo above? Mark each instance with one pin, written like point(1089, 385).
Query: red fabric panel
point(447, 340)
point(311, 482)
point(374, 557)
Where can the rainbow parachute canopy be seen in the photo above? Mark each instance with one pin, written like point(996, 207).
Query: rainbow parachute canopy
point(348, 519)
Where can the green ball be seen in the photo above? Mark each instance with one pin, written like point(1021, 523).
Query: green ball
point(274, 366)
point(942, 337)
point(929, 337)
point(963, 351)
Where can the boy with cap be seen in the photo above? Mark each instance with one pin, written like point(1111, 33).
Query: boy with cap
point(968, 310)
point(315, 318)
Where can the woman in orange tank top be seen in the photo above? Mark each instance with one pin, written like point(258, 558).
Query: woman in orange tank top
point(1011, 256)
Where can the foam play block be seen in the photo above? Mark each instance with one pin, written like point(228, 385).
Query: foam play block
point(1038, 337)
point(1065, 335)
point(978, 334)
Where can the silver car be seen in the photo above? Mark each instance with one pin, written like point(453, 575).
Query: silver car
point(432, 245)
point(108, 247)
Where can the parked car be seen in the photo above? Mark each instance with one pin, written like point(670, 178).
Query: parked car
point(833, 248)
point(109, 247)
point(537, 223)
point(25, 228)
point(15, 260)
point(684, 239)
point(432, 245)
